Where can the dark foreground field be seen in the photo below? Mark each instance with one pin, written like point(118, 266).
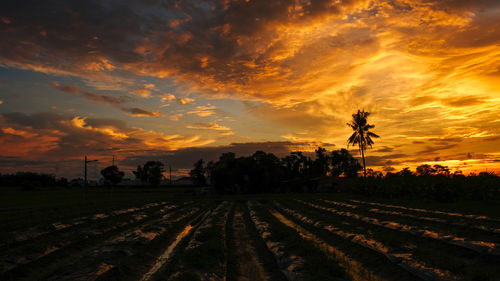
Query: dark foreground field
point(177, 234)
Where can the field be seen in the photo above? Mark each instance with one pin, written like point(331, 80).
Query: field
point(178, 234)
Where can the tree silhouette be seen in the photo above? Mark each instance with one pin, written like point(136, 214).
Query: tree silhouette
point(321, 165)
point(362, 135)
point(151, 172)
point(405, 172)
point(343, 163)
point(198, 173)
point(425, 170)
point(112, 175)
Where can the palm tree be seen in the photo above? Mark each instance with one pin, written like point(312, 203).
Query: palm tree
point(362, 135)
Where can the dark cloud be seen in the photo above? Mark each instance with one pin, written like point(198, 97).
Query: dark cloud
point(421, 100)
point(463, 101)
point(45, 120)
point(115, 101)
point(62, 168)
point(454, 101)
point(89, 95)
point(446, 140)
point(493, 138)
point(106, 122)
point(484, 29)
point(434, 149)
point(384, 160)
point(388, 169)
point(140, 112)
point(66, 89)
point(104, 99)
point(384, 149)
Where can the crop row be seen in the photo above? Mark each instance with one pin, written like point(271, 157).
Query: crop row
point(16, 237)
point(394, 255)
point(425, 256)
point(300, 240)
point(44, 253)
point(203, 254)
point(469, 226)
point(443, 233)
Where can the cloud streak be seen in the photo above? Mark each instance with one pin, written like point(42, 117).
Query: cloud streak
point(204, 126)
point(115, 101)
point(140, 112)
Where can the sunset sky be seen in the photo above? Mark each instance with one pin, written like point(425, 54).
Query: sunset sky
point(180, 80)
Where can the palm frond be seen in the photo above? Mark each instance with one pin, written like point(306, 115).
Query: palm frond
point(361, 135)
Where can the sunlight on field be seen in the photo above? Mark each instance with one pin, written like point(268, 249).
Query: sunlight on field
point(166, 255)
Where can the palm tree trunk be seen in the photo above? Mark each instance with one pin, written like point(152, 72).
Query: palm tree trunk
point(363, 155)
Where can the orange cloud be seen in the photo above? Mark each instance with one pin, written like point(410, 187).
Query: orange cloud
point(184, 100)
point(145, 90)
point(166, 97)
point(60, 136)
point(176, 117)
point(99, 64)
point(203, 111)
point(144, 93)
point(212, 126)
point(26, 141)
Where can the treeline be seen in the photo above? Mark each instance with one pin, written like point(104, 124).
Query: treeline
point(429, 183)
point(265, 172)
point(150, 174)
point(339, 171)
point(30, 180)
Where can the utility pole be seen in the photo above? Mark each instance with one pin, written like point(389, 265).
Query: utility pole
point(86, 183)
point(111, 186)
point(170, 169)
point(85, 177)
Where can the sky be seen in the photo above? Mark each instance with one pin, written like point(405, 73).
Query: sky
point(176, 81)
